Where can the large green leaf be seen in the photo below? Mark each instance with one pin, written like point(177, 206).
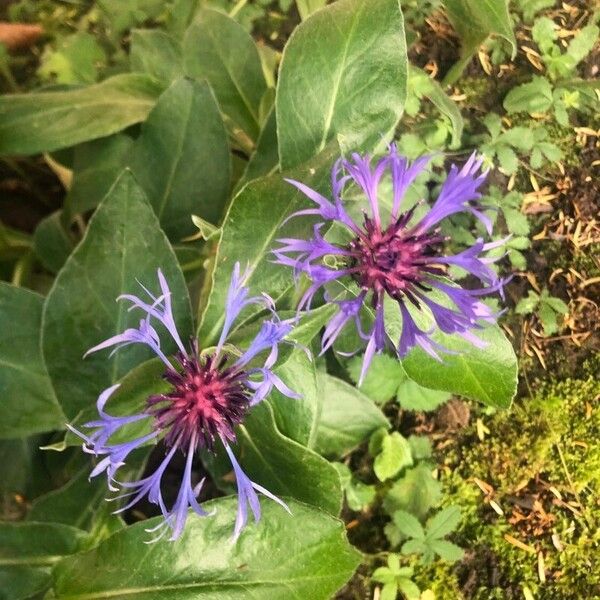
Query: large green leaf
point(265, 158)
point(348, 417)
point(130, 398)
point(96, 165)
point(76, 503)
point(123, 243)
point(157, 54)
point(308, 7)
point(27, 551)
point(218, 49)
point(303, 555)
point(474, 21)
point(283, 466)
point(252, 224)
point(343, 74)
point(28, 402)
point(181, 158)
point(297, 418)
point(486, 374)
point(31, 123)
point(52, 242)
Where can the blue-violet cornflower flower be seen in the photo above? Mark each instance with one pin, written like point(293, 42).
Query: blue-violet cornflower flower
point(211, 394)
point(400, 258)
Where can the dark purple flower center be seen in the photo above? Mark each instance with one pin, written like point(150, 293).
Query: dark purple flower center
point(208, 400)
point(394, 260)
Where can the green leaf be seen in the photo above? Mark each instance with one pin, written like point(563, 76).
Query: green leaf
point(157, 54)
point(435, 93)
point(297, 418)
point(74, 61)
point(389, 592)
point(412, 396)
point(77, 503)
point(359, 495)
point(252, 224)
point(527, 305)
point(51, 242)
point(283, 466)
point(96, 165)
point(532, 7)
point(181, 158)
point(415, 492)
point(544, 32)
point(32, 123)
point(583, 43)
point(28, 550)
point(208, 565)
point(265, 158)
point(343, 74)
point(532, 97)
point(123, 243)
point(487, 374)
point(384, 376)
point(444, 522)
point(217, 49)
point(414, 546)
point(348, 417)
point(310, 323)
point(410, 589)
point(394, 455)
point(408, 525)
point(508, 159)
point(420, 447)
point(555, 303)
point(446, 550)
point(308, 7)
point(384, 575)
point(549, 318)
point(28, 402)
point(474, 21)
point(131, 398)
point(551, 151)
point(516, 221)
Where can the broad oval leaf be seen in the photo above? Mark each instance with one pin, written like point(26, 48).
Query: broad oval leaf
point(123, 244)
point(284, 466)
point(31, 123)
point(303, 555)
point(27, 551)
point(218, 49)
point(343, 73)
point(474, 21)
point(28, 402)
point(348, 417)
point(52, 242)
point(486, 374)
point(157, 54)
point(96, 165)
point(181, 158)
point(254, 220)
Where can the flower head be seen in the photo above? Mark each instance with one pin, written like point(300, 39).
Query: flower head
point(400, 258)
point(210, 394)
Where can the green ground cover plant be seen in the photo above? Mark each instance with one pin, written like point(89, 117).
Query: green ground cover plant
point(314, 285)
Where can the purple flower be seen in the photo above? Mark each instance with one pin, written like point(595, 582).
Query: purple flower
point(400, 258)
point(210, 394)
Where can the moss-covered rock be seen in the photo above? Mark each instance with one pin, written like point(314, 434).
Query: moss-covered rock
point(540, 467)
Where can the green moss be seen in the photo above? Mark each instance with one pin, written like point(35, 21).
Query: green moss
point(550, 440)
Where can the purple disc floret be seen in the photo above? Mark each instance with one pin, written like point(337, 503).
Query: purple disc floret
point(396, 262)
point(210, 393)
